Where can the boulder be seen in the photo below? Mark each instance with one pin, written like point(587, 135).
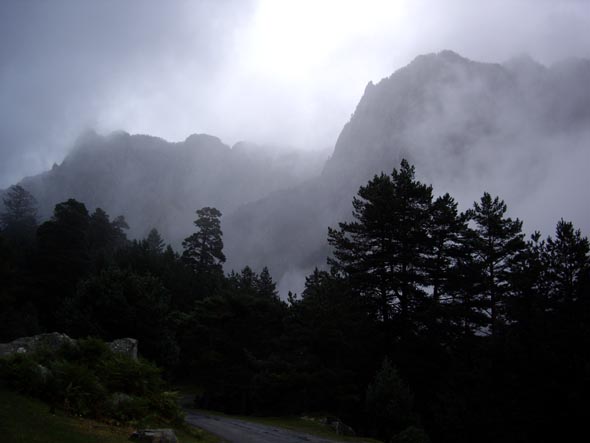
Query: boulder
point(333, 422)
point(51, 341)
point(154, 436)
point(127, 346)
point(340, 427)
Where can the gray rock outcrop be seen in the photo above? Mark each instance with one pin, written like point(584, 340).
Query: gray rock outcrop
point(52, 341)
point(127, 346)
point(342, 428)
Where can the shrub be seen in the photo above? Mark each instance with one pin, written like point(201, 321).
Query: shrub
point(81, 390)
point(90, 380)
point(135, 377)
point(389, 402)
point(25, 373)
point(165, 405)
point(127, 408)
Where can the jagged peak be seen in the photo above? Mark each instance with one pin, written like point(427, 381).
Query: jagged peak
point(119, 133)
point(452, 56)
point(87, 137)
point(202, 138)
point(369, 86)
point(445, 55)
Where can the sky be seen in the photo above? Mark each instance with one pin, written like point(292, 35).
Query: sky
point(284, 73)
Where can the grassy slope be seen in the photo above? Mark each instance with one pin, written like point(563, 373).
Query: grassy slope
point(25, 420)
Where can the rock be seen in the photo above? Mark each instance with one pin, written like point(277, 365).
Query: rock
point(154, 436)
point(43, 372)
point(54, 340)
point(340, 427)
point(51, 341)
point(335, 423)
point(127, 346)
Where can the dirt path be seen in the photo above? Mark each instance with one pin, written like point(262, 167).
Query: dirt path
point(239, 431)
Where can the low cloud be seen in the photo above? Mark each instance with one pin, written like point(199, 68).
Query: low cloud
point(288, 75)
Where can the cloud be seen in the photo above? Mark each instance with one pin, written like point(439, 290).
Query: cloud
point(285, 73)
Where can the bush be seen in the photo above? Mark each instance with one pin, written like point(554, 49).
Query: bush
point(389, 403)
point(165, 405)
point(88, 379)
point(135, 377)
point(125, 408)
point(25, 373)
point(80, 389)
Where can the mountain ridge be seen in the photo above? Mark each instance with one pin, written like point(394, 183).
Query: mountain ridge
point(156, 183)
point(468, 126)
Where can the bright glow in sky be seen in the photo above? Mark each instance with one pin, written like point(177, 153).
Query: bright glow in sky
point(294, 40)
point(285, 73)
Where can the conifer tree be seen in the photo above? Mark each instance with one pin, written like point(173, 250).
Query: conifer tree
point(447, 233)
point(265, 285)
point(383, 251)
point(567, 260)
point(104, 235)
point(497, 243)
point(203, 250)
point(18, 220)
point(154, 242)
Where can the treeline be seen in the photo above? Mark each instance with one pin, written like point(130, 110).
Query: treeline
point(428, 322)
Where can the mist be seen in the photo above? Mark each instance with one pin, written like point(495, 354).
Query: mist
point(285, 74)
point(202, 177)
point(286, 77)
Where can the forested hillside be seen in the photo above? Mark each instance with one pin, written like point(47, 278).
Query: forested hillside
point(158, 184)
point(431, 323)
point(512, 129)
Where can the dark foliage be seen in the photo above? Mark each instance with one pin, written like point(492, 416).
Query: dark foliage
point(90, 380)
point(429, 325)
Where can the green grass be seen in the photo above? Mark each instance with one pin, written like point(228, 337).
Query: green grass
point(26, 420)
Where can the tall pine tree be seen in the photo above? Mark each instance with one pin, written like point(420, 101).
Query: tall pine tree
point(383, 251)
point(497, 242)
point(203, 250)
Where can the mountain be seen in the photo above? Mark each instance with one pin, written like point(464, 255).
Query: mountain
point(519, 130)
point(155, 183)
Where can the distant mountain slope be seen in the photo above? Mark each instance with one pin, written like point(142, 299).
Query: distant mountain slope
point(159, 184)
point(519, 130)
point(446, 112)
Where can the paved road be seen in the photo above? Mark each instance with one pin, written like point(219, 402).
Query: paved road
point(238, 431)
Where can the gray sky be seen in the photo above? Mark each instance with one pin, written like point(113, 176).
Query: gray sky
point(268, 71)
